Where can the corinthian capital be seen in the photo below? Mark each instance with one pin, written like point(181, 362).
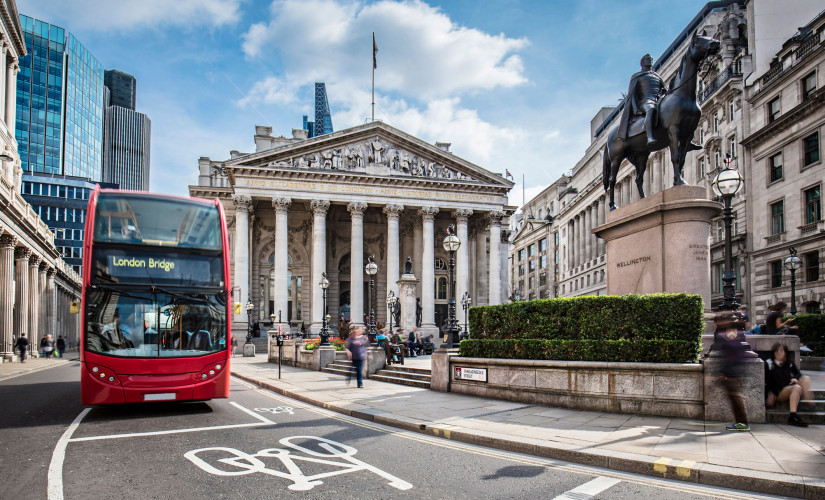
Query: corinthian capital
point(281, 204)
point(356, 208)
point(428, 213)
point(393, 210)
point(495, 216)
point(242, 202)
point(8, 240)
point(462, 214)
point(22, 253)
point(34, 260)
point(320, 207)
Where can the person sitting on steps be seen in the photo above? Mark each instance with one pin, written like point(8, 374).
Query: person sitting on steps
point(786, 383)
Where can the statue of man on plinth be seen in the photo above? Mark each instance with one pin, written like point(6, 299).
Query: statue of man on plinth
point(645, 89)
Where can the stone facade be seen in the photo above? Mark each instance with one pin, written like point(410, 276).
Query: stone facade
point(733, 105)
point(36, 285)
point(299, 207)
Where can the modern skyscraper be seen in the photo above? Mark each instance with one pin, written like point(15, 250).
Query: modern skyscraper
point(323, 119)
point(59, 130)
point(123, 88)
point(126, 139)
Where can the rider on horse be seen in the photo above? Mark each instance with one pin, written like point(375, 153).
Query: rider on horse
point(645, 90)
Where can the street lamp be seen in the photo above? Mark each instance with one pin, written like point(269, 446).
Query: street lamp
point(372, 269)
point(518, 295)
point(391, 300)
point(451, 244)
point(249, 307)
point(324, 283)
point(465, 303)
point(792, 264)
point(726, 184)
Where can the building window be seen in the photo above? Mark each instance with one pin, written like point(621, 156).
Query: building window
point(531, 250)
point(543, 262)
point(811, 266)
point(521, 254)
point(550, 210)
point(702, 135)
point(778, 217)
point(808, 85)
point(776, 273)
point(811, 145)
point(441, 288)
point(531, 282)
point(543, 279)
point(773, 110)
point(776, 167)
point(701, 168)
point(542, 244)
point(730, 110)
point(541, 214)
point(732, 147)
point(813, 205)
point(813, 308)
point(715, 123)
point(717, 158)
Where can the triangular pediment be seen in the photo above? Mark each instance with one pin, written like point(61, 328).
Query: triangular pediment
point(375, 149)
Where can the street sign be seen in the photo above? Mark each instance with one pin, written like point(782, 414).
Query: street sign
point(466, 373)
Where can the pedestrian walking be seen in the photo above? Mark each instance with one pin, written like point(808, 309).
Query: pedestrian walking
point(22, 345)
point(234, 344)
point(729, 340)
point(47, 346)
point(357, 353)
point(61, 345)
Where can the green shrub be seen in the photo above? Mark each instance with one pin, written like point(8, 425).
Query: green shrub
point(812, 332)
point(638, 321)
point(650, 351)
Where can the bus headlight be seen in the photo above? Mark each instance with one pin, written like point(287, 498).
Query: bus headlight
point(218, 366)
point(95, 369)
point(203, 376)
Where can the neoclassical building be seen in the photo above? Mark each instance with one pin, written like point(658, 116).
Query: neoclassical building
point(36, 285)
point(299, 207)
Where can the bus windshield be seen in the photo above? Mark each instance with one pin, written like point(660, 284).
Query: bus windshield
point(155, 221)
point(155, 325)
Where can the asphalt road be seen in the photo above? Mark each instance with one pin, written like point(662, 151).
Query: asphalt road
point(261, 445)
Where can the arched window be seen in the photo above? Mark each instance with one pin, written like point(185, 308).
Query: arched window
point(441, 288)
point(440, 265)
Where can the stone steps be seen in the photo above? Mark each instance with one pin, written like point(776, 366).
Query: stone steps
point(416, 377)
point(400, 380)
point(811, 411)
point(410, 375)
point(340, 367)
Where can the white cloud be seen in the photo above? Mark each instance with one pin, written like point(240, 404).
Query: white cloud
point(110, 15)
point(421, 52)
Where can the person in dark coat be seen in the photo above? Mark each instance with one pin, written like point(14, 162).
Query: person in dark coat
point(61, 345)
point(22, 345)
point(786, 383)
point(729, 341)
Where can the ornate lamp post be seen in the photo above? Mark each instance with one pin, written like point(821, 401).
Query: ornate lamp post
point(726, 184)
point(324, 284)
point(465, 303)
point(249, 307)
point(793, 263)
point(451, 244)
point(372, 269)
point(391, 300)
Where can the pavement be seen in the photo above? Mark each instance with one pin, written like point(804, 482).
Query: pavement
point(772, 458)
point(9, 369)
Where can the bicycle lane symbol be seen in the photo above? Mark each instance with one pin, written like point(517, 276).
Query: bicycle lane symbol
point(241, 463)
point(277, 409)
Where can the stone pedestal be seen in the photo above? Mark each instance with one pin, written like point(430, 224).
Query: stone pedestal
point(440, 369)
point(249, 350)
point(406, 293)
point(661, 243)
point(751, 385)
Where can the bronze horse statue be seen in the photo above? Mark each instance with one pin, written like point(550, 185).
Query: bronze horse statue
point(678, 117)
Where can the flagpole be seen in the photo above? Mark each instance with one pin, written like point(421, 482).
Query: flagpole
point(373, 76)
point(522, 193)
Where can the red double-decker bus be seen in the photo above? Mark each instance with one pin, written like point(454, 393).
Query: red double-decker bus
point(156, 299)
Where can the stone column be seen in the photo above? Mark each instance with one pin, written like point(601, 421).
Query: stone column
point(601, 218)
point(588, 236)
point(34, 300)
point(462, 261)
point(578, 236)
point(42, 317)
point(627, 191)
point(494, 281)
point(11, 89)
point(393, 212)
point(428, 271)
point(356, 290)
point(418, 251)
point(4, 48)
point(241, 278)
point(481, 264)
point(319, 260)
point(51, 317)
point(657, 173)
point(294, 285)
point(280, 299)
point(7, 243)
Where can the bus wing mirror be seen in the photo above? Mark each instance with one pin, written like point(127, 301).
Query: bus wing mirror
point(237, 308)
point(74, 307)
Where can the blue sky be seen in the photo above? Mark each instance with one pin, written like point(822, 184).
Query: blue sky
point(511, 84)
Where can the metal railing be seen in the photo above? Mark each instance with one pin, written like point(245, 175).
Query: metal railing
point(734, 69)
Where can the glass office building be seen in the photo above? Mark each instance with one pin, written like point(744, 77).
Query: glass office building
point(59, 77)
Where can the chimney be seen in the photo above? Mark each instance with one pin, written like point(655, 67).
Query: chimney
point(443, 146)
point(299, 134)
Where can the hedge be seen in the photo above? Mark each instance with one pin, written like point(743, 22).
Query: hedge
point(649, 351)
point(642, 320)
point(812, 332)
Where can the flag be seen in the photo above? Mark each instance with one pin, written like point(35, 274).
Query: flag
point(508, 174)
point(374, 52)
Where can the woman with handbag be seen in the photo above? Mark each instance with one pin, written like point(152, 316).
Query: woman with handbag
point(357, 353)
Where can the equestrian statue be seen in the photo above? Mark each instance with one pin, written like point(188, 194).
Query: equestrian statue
point(654, 118)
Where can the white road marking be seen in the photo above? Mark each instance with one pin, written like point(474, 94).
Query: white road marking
point(244, 463)
point(263, 421)
point(589, 489)
point(55, 480)
point(278, 409)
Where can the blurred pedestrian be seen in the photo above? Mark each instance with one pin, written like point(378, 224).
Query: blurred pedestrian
point(357, 353)
point(22, 345)
point(46, 346)
point(234, 344)
point(61, 345)
point(729, 341)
